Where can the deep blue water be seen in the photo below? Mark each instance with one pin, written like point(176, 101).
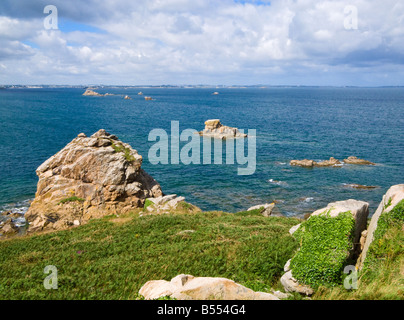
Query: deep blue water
point(291, 123)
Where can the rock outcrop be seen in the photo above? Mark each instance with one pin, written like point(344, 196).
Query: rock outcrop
point(92, 93)
point(393, 196)
point(213, 128)
point(89, 178)
point(187, 287)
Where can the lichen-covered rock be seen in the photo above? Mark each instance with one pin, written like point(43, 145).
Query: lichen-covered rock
point(213, 128)
point(89, 178)
point(187, 287)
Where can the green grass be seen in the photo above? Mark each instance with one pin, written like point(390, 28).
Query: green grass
point(126, 151)
point(111, 258)
point(71, 199)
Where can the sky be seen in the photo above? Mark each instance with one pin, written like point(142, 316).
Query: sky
point(216, 42)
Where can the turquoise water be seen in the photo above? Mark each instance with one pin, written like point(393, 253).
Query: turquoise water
point(291, 123)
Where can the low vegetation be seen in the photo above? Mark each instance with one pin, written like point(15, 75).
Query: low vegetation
point(71, 199)
point(112, 257)
point(126, 151)
point(325, 245)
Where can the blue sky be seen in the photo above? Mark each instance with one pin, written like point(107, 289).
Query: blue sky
point(233, 42)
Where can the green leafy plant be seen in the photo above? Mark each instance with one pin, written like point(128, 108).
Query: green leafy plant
point(126, 151)
point(325, 245)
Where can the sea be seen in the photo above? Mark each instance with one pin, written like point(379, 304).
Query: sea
point(290, 122)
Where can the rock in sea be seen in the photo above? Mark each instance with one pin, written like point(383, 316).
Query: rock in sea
point(92, 93)
point(213, 128)
point(89, 178)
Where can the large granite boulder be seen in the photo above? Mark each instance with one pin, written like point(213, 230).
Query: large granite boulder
point(89, 178)
point(393, 196)
point(187, 287)
point(213, 128)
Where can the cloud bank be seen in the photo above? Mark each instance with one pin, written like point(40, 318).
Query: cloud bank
point(299, 42)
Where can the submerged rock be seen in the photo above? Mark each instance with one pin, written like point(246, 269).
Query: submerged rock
point(213, 128)
point(359, 186)
point(89, 178)
point(187, 287)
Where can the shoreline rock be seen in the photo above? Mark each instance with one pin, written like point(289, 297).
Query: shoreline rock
point(89, 178)
point(213, 128)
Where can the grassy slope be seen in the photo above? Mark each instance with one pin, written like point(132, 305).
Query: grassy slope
point(111, 258)
point(382, 278)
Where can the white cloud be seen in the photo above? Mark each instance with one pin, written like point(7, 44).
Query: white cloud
point(203, 41)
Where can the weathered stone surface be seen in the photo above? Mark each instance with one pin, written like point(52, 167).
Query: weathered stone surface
point(294, 229)
point(393, 196)
point(355, 160)
point(213, 128)
point(187, 287)
point(8, 228)
point(266, 209)
point(292, 285)
point(91, 177)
